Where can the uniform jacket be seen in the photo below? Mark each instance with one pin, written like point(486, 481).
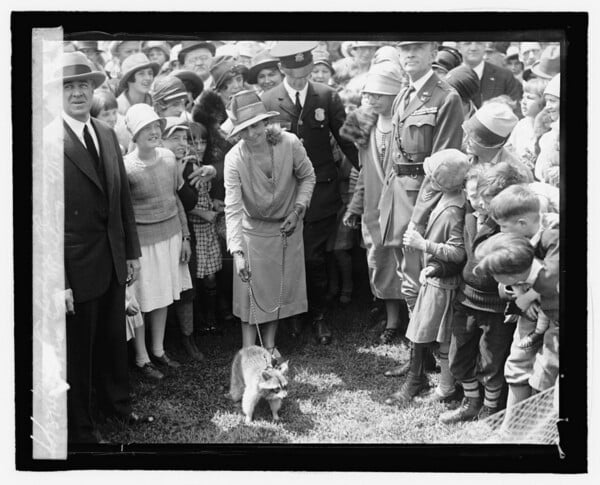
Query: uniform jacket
point(496, 81)
point(100, 229)
point(431, 122)
point(323, 113)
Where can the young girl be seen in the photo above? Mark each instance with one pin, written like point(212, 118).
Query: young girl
point(105, 108)
point(442, 242)
point(162, 227)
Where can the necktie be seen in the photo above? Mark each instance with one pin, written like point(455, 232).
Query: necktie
point(91, 147)
point(298, 105)
point(409, 91)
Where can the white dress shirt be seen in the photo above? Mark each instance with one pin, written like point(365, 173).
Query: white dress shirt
point(77, 127)
point(479, 69)
point(292, 92)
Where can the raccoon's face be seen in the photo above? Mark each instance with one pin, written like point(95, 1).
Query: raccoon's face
point(273, 382)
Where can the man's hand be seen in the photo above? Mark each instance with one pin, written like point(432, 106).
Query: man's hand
point(133, 270)
point(69, 301)
point(351, 220)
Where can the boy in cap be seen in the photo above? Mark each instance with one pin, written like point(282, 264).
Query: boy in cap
point(312, 111)
point(493, 80)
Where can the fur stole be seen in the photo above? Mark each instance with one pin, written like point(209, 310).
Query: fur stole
point(358, 126)
point(210, 109)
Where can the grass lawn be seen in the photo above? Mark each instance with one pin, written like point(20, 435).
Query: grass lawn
point(336, 393)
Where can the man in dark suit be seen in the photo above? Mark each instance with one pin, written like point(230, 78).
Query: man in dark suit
point(312, 111)
point(427, 117)
point(101, 251)
point(493, 80)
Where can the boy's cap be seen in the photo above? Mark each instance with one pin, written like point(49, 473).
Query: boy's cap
point(321, 56)
point(448, 168)
point(491, 124)
point(168, 88)
point(384, 78)
point(553, 87)
point(172, 124)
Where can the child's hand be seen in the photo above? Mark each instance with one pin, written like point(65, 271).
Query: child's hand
point(526, 299)
point(209, 216)
point(133, 308)
point(186, 251)
point(350, 220)
point(425, 272)
point(218, 205)
point(203, 173)
point(414, 240)
point(533, 311)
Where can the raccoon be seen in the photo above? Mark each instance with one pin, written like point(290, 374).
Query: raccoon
point(253, 376)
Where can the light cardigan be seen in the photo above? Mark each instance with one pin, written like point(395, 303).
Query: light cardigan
point(159, 214)
point(254, 202)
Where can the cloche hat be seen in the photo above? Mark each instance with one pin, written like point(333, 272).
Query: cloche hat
point(140, 115)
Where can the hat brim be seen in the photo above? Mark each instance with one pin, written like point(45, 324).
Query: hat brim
point(327, 64)
point(96, 77)
point(125, 78)
point(191, 77)
point(255, 70)
point(200, 45)
point(541, 74)
point(167, 132)
point(162, 121)
point(245, 124)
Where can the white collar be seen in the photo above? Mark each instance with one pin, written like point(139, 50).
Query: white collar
point(419, 83)
point(292, 92)
point(76, 125)
point(479, 69)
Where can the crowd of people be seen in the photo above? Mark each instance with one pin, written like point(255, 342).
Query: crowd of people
point(207, 181)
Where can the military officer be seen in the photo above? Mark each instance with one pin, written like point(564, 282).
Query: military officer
point(312, 111)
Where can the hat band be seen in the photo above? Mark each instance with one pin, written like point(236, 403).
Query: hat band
point(482, 134)
point(248, 112)
point(76, 70)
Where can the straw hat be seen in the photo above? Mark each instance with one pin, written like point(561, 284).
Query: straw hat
point(134, 63)
point(245, 109)
point(75, 66)
point(262, 60)
point(140, 115)
point(491, 124)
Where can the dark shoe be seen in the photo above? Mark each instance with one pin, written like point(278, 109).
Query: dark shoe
point(411, 387)
point(190, 347)
point(165, 361)
point(150, 371)
point(399, 371)
point(195, 346)
point(467, 411)
point(296, 327)
point(530, 341)
point(436, 397)
point(388, 335)
point(346, 297)
point(323, 332)
point(486, 412)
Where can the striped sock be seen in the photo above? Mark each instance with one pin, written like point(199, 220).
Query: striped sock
point(492, 397)
point(471, 388)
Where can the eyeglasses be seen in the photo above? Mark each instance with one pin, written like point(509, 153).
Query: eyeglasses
point(194, 59)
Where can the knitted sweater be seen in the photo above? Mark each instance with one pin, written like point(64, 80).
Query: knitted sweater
point(159, 213)
point(478, 291)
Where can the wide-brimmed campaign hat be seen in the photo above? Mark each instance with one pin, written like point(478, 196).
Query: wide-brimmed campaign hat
point(140, 115)
point(262, 60)
point(295, 56)
point(193, 83)
point(491, 125)
point(190, 45)
point(245, 109)
point(77, 67)
point(134, 63)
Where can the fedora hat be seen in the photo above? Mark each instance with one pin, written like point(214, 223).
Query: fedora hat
point(548, 65)
point(245, 109)
point(364, 43)
point(192, 82)
point(77, 67)
point(262, 60)
point(190, 45)
point(140, 115)
point(134, 63)
point(491, 125)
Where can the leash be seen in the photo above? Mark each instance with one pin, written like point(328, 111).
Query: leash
point(254, 302)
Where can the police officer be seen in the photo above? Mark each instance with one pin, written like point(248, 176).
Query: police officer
point(312, 111)
point(427, 117)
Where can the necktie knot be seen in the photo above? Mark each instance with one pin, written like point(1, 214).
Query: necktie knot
point(298, 105)
point(409, 93)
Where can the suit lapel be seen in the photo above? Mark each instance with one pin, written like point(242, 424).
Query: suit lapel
point(78, 154)
point(488, 79)
point(285, 103)
point(107, 149)
point(421, 97)
point(311, 101)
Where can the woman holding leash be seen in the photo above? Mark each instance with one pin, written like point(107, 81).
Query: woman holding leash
point(269, 181)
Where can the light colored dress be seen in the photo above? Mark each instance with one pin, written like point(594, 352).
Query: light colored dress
point(255, 207)
point(381, 260)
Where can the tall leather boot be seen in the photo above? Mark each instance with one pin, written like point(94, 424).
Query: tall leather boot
point(416, 381)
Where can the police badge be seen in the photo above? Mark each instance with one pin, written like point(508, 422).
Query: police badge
point(320, 114)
